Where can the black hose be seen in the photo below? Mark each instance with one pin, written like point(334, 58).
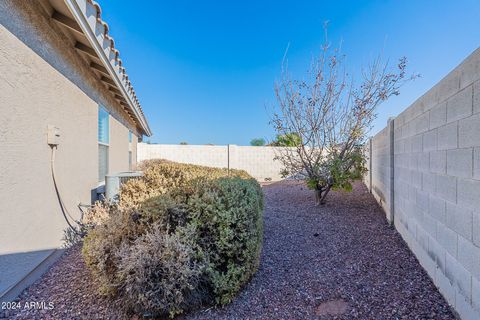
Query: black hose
point(60, 202)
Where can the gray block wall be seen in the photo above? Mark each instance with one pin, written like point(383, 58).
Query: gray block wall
point(381, 169)
point(434, 196)
point(367, 178)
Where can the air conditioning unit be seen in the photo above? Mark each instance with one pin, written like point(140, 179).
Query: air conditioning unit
point(114, 181)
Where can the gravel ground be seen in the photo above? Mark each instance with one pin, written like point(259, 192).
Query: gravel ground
point(337, 261)
point(73, 292)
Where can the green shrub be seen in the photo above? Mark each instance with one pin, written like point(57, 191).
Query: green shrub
point(193, 238)
point(227, 216)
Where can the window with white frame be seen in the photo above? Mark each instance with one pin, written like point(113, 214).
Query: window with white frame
point(130, 161)
point(103, 142)
point(130, 155)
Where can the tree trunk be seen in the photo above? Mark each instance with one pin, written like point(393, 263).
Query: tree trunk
point(327, 190)
point(318, 196)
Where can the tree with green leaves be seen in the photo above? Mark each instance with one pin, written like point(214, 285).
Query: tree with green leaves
point(331, 114)
point(257, 142)
point(291, 139)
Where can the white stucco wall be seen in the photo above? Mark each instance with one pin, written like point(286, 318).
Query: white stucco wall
point(35, 95)
point(133, 149)
point(44, 81)
point(119, 147)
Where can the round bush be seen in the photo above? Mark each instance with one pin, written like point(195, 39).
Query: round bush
point(178, 247)
point(227, 216)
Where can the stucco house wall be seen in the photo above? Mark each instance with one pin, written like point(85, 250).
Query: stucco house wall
point(119, 147)
point(134, 150)
point(44, 81)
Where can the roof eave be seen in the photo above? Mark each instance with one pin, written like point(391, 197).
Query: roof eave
point(75, 7)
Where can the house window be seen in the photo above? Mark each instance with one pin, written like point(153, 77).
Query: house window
point(130, 161)
point(103, 143)
point(130, 154)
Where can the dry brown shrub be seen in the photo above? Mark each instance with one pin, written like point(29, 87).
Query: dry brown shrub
point(159, 273)
point(162, 176)
point(98, 214)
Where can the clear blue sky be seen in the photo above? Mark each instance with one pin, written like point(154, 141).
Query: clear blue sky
point(204, 70)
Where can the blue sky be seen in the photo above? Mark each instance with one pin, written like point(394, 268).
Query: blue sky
point(204, 70)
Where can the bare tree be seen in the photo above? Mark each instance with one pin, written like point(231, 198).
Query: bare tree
point(332, 114)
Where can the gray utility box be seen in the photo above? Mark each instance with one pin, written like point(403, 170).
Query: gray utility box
point(114, 181)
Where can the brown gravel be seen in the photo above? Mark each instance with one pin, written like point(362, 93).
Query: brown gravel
point(72, 290)
point(337, 261)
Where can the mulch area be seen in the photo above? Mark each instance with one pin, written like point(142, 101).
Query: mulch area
point(337, 261)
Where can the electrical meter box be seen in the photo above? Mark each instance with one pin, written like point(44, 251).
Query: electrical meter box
point(53, 135)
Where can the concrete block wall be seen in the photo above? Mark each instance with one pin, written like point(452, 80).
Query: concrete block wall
point(367, 178)
point(436, 183)
point(211, 156)
point(259, 162)
point(381, 175)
